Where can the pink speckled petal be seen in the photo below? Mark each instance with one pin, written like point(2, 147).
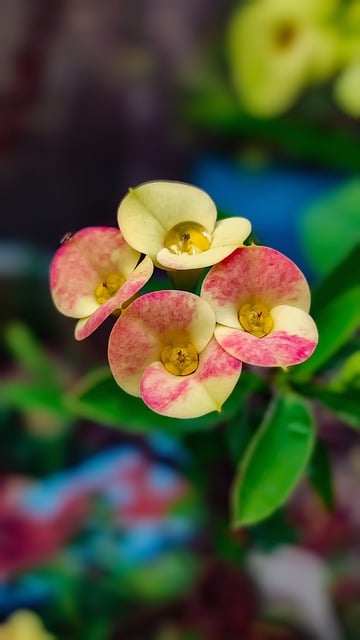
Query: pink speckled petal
point(132, 348)
point(293, 340)
point(252, 274)
point(130, 288)
point(147, 213)
point(81, 262)
point(194, 395)
point(148, 324)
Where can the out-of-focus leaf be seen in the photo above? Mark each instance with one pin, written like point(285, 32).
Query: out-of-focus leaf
point(31, 396)
point(344, 276)
point(274, 461)
point(97, 397)
point(219, 112)
point(336, 323)
point(273, 531)
point(167, 577)
point(319, 473)
point(349, 376)
point(29, 354)
point(345, 404)
point(331, 227)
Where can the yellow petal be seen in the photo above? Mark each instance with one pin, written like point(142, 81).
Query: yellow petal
point(347, 90)
point(150, 210)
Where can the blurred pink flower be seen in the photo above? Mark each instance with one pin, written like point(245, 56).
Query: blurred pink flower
point(93, 274)
point(261, 302)
point(163, 350)
point(28, 538)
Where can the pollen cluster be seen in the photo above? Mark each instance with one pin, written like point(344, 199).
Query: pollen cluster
point(180, 360)
point(256, 319)
point(188, 237)
point(107, 288)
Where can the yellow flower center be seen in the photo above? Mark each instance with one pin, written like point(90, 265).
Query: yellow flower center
point(107, 288)
point(180, 360)
point(188, 237)
point(256, 319)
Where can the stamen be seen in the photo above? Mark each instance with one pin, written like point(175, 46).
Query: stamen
point(180, 360)
point(188, 237)
point(256, 319)
point(108, 287)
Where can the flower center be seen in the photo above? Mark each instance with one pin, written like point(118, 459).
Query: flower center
point(180, 360)
point(107, 288)
point(285, 35)
point(256, 319)
point(188, 237)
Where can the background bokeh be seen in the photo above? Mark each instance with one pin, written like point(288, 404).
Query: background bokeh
point(123, 532)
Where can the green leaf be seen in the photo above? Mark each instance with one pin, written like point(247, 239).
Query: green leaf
point(349, 376)
point(97, 397)
point(319, 473)
point(274, 461)
point(31, 396)
point(331, 227)
point(167, 577)
point(336, 323)
point(274, 531)
point(29, 354)
point(345, 404)
point(215, 109)
point(344, 276)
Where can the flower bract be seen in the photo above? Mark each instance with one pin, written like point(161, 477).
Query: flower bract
point(163, 350)
point(261, 302)
point(93, 274)
point(175, 224)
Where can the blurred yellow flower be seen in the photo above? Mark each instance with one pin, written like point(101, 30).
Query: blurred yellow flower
point(349, 27)
point(276, 48)
point(24, 625)
point(347, 89)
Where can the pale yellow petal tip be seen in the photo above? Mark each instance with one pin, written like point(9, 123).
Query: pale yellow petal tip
point(25, 623)
point(346, 90)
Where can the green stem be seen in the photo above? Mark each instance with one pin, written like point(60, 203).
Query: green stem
point(186, 280)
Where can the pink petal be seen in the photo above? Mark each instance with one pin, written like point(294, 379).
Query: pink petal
point(81, 262)
point(254, 273)
point(145, 326)
point(133, 284)
point(194, 395)
point(132, 348)
point(292, 340)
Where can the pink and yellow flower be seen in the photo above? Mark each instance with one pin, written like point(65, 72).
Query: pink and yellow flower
point(175, 224)
point(261, 302)
point(163, 350)
point(93, 274)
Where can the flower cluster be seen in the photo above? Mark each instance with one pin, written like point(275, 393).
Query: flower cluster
point(182, 352)
point(278, 48)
